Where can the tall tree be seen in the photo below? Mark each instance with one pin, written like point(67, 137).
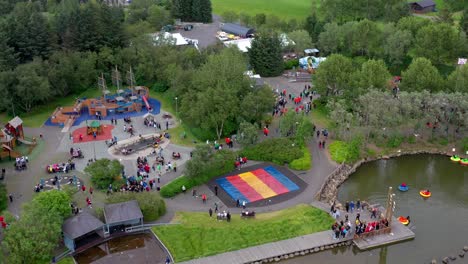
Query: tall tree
point(458, 80)
point(421, 75)
point(218, 88)
point(373, 75)
point(464, 21)
point(440, 43)
point(330, 39)
point(204, 11)
point(301, 39)
point(33, 86)
point(7, 53)
point(396, 46)
point(334, 75)
point(265, 55)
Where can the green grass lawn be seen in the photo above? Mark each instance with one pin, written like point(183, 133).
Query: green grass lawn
point(198, 235)
point(39, 115)
point(298, 9)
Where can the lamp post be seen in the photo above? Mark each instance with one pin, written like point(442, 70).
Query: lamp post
point(176, 106)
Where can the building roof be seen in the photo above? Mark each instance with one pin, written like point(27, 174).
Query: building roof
point(425, 3)
point(236, 29)
point(80, 224)
point(121, 212)
point(242, 44)
point(15, 122)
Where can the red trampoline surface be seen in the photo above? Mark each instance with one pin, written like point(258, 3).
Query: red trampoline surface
point(106, 134)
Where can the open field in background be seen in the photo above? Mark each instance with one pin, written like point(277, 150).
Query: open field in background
point(284, 9)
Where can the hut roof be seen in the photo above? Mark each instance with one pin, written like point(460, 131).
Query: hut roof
point(16, 122)
point(425, 3)
point(236, 29)
point(121, 212)
point(80, 225)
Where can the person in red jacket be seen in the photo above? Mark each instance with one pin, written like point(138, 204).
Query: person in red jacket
point(265, 131)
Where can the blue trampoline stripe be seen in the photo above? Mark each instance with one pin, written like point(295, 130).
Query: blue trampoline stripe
point(281, 178)
point(231, 190)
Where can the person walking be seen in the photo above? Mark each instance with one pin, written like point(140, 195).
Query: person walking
point(347, 206)
point(358, 205)
point(216, 190)
point(210, 212)
point(351, 206)
point(10, 196)
point(243, 204)
point(183, 189)
point(216, 207)
point(91, 190)
point(204, 198)
point(168, 260)
point(237, 203)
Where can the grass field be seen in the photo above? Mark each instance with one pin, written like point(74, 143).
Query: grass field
point(284, 9)
point(39, 114)
point(198, 235)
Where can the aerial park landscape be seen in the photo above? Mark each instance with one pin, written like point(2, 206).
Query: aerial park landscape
point(209, 131)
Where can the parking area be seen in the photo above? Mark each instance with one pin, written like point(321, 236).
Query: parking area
point(204, 33)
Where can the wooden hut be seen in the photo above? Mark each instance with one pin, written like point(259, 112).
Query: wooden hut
point(15, 127)
point(423, 6)
point(120, 216)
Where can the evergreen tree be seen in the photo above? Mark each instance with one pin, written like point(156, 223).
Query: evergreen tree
point(205, 11)
point(265, 55)
point(464, 21)
point(7, 53)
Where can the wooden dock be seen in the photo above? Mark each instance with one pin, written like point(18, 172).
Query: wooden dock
point(399, 233)
point(294, 246)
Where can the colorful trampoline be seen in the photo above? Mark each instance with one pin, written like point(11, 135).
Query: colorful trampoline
point(257, 184)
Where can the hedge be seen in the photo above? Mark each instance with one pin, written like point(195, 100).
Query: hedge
point(221, 163)
point(304, 163)
point(151, 204)
point(276, 150)
point(3, 197)
point(341, 151)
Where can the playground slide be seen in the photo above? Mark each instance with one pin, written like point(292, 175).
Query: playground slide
point(25, 141)
point(146, 103)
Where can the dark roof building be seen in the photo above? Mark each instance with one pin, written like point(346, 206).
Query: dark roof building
point(122, 215)
point(79, 229)
point(423, 6)
point(237, 30)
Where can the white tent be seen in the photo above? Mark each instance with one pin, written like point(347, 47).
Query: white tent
point(242, 44)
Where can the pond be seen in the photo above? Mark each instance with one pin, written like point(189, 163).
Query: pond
point(439, 222)
point(140, 248)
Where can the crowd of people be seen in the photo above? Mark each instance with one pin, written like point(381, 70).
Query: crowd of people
point(21, 163)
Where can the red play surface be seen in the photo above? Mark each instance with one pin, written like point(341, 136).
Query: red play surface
point(106, 134)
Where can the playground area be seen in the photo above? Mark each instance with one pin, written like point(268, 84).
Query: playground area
point(14, 143)
point(93, 131)
point(124, 103)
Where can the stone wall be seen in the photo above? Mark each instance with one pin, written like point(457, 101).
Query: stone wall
point(328, 192)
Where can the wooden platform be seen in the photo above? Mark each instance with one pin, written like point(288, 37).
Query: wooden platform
point(271, 250)
point(399, 233)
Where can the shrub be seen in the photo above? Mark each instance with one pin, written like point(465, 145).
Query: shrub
point(304, 163)
point(204, 165)
point(288, 65)
point(104, 172)
point(341, 151)
point(411, 139)
point(443, 141)
point(151, 204)
point(174, 187)
point(3, 197)
point(465, 144)
point(160, 87)
point(276, 150)
point(395, 141)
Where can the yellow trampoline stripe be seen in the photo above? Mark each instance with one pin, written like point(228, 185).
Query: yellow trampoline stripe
point(257, 185)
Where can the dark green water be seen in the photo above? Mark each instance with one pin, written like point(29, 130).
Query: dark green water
point(439, 222)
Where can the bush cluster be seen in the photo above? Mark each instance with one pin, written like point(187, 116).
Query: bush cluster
point(288, 65)
point(3, 197)
point(201, 171)
point(394, 141)
point(276, 150)
point(151, 204)
point(304, 163)
point(341, 151)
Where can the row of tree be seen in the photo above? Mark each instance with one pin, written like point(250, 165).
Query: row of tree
point(338, 75)
point(379, 112)
point(439, 42)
